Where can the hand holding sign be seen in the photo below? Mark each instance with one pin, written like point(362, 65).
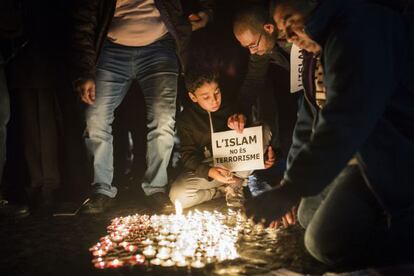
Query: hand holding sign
point(236, 122)
point(270, 158)
point(221, 175)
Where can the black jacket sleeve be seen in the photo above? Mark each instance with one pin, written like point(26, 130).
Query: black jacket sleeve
point(303, 129)
point(84, 38)
point(191, 155)
point(254, 83)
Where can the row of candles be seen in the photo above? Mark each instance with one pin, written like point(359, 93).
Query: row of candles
point(193, 240)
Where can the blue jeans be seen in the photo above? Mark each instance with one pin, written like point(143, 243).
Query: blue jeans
point(155, 67)
point(4, 115)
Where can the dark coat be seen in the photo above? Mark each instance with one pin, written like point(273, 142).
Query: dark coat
point(92, 19)
point(256, 91)
point(193, 128)
point(368, 66)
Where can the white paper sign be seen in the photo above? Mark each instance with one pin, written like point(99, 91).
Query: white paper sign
point(296, 68)
point(238, 152)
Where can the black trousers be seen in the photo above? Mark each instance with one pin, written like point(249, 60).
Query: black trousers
point(38, 120)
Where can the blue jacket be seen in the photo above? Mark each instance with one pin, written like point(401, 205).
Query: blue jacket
point(368, 65)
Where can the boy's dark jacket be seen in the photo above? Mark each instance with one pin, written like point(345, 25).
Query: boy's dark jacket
point(193, 127)
point(368, 73)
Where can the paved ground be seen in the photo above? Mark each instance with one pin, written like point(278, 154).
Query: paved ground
point(46, 245)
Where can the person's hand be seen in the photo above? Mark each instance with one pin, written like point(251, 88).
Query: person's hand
point(288, 219)
point(221, 175)
point(198, 20)
point(86, 90)
point(272, 205)
point(271, 158)
point(237, 122)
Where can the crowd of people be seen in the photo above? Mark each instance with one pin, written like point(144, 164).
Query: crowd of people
point(337, 152)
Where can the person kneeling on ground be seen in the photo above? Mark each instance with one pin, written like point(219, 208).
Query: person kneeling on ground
point(200, 181)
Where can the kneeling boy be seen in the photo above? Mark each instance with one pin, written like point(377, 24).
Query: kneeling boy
point(201, 181)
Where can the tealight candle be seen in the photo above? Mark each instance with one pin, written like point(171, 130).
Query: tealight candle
point(181, 263)
point(198, 264)
point(147, 242)
point(99, 252)
point(168, 263)
point(163, 253)
point(100, 265)
point(115, 263)
point(164, 231)
point(155, 261)
point(149, 251)
point(139, 258)
point(164, 243)
point(131, 248)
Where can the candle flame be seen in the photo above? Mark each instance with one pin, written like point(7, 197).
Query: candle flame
point(178, 208)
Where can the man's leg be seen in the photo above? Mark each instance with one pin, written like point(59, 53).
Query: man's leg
point(113, 78)
point(343, 228)
point(309, 205)
point(191, 190)
point(157, 76)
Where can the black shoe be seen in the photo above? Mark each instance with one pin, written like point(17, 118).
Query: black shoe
point(8, 210)
point(97, 204)
point(160, 202)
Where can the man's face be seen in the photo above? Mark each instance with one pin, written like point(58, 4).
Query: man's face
point(258, 43)
point(290, 23)
point(208, 96)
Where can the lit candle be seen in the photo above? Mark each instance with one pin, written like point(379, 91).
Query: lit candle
point(147, 242)
point(99, 252)
point(163, 253)
point(149, 251)
point(164, 231)
point(198, 264)
point(181, 263)
point(155, 261)
point(167, 263)
point(164, 243)
point(131, 248)
point(100, 265)
point(139, 258)
point(115, 263)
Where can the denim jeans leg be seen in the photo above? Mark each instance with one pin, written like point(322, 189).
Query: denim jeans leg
point(157, 76)
point(4, 115)
point(113, 79)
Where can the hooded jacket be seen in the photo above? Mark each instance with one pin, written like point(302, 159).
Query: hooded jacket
point(367, 58)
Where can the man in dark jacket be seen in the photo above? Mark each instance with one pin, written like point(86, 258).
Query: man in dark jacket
point(361, 141)
point(263, 98)
point(116, 42)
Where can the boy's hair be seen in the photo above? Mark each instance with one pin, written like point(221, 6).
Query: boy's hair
point(195, 79)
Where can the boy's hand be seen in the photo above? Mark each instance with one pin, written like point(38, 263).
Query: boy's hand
point(237, 122)
point(271, 158)
point(198, 20)
point(221, 175)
